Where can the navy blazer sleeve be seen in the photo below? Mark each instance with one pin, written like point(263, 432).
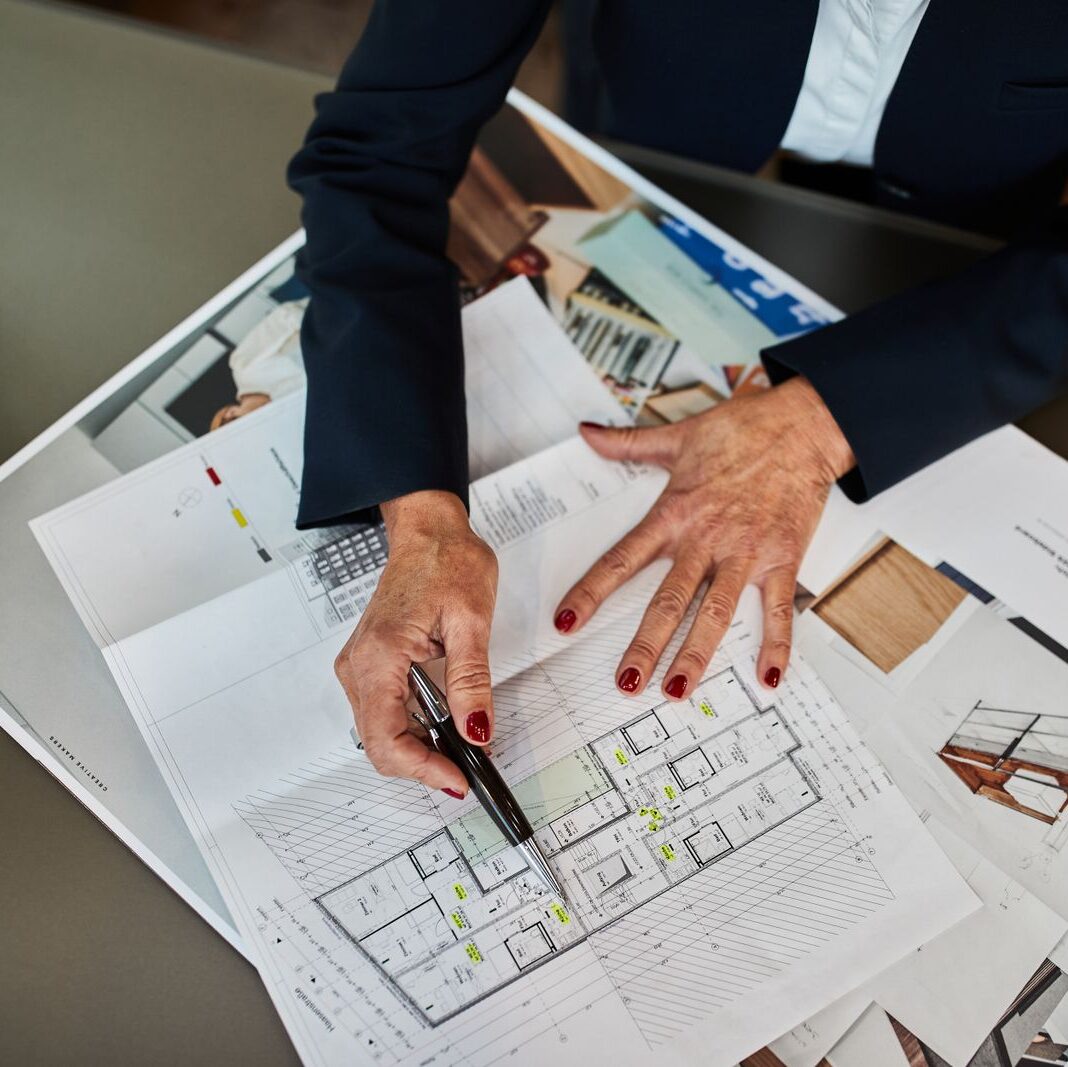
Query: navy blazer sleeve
point(918, 375)
point(381, 337)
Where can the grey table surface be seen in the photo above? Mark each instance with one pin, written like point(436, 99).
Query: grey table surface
point(141, 173)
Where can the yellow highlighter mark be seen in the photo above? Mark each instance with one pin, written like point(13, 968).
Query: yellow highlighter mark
point(668, 852)
point(669, 792)
point(460, 921)
point(706, 709)
point(561, 913)
point(238, 517)
point(472, 951)
point(621, 757)
point(461, 893)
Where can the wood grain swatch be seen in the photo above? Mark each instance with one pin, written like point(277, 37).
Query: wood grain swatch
point(889, 604)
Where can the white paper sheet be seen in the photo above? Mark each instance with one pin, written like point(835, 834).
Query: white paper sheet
point(732, 868)
point(946, 992)
point(1059, 954)
point(871, 1042)
point(526, 387)
point(805, 1045)
point(987, 663)
point(951, 993)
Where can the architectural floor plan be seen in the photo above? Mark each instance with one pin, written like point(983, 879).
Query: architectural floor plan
point(640, 810)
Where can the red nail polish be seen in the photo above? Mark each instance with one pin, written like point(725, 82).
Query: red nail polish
point(452, 793)
point(477, 726)
point(565, 620)
point(629, 679)
point(772, 676)
point(676, 687)
point(592, 425)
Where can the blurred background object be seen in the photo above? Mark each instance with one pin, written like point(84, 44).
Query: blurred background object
point(317, 34)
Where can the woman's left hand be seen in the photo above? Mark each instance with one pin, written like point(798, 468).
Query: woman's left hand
point(749, 479)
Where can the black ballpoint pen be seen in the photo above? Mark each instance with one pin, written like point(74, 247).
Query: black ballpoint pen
point(489, 787)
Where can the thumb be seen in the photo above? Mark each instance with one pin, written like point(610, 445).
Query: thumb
point(467, 678)
point(653, 444)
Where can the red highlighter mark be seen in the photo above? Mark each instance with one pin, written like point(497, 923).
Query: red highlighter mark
point(215, 479)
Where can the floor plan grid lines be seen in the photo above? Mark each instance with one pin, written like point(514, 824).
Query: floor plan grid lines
point(699, 849)
point(632, 815)
point(314, 820)
point(733, 927)
point(527, 707)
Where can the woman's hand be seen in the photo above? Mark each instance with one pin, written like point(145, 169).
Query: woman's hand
point(748, 483)
point(435, 598)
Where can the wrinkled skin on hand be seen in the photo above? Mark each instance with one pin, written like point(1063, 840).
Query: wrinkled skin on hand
point(748, 481)
point(435, 597)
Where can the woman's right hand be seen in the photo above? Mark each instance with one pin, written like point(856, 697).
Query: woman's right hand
point(435, 597)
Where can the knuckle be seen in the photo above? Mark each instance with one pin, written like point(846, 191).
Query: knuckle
point(416, 764)
point(484, 556)
point(582, 596)
point(746, 545)
point(474, 607)
point(468, 677)
point(692, 661)
point(669, 602)
point(781, 613)
point(673, 508)
point(718, 609)
point(779, 645)
point(616, 561)
point(381, 755)
point(642, 648)
point(387, 758)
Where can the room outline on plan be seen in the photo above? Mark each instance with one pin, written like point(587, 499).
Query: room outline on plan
point(623, 819)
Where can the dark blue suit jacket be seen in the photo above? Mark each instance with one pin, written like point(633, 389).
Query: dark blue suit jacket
point(975, 133)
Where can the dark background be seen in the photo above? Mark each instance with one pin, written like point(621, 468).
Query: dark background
point(314, 34)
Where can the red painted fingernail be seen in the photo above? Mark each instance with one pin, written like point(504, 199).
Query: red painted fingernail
point(676, 687)
point(592, 425)
point(452, 793)
point(772, 676)
point(477, 726)
point(565, 620)
point(629, 679)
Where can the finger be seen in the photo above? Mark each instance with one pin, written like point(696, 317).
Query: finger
point(713, 618)
point(377, 688)
point(659, 623)
point(468, 689)
point(652, 444)
point(621, 562)
point(778, 596)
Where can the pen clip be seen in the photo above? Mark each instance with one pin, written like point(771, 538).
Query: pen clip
point(431, 699)
point(432, 731)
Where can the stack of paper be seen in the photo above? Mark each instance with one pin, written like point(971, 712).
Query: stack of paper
point(866, 863)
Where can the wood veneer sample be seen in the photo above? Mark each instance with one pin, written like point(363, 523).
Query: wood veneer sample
point(889, 605)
